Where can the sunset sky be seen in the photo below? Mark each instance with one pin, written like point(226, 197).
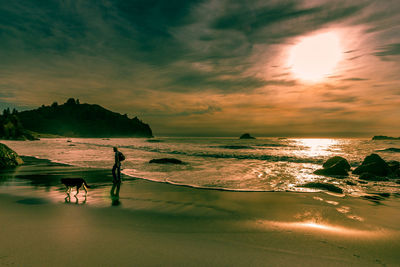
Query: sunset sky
point(213, 67)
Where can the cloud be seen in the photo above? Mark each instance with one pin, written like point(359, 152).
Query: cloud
point(389, 50)
point(354, 79)
point(339, 98)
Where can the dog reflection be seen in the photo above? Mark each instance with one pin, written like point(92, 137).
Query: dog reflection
point(68, 199)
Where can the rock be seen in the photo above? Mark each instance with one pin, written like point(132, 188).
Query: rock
point(375, 165)
point(350, 183)
point(336, 166)
point(394, 166)
point(370, 177)
point(166, 161)
point(325, 186)
point(334, 160)
point(154, 140)
point(373, 198)
point(384, 137)
point(246, 136)
point(8, 157)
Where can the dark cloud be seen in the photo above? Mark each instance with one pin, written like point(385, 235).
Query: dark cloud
point(247, 18)
point(322, 110)
point(339, 98)
point(201, 111)
point(389, 50)
point(289, 17)
point(355, 79)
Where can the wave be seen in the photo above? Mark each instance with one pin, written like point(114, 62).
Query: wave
point(258, 157)
point(255, 146)
point(273, 158)
point(271, 145)
point(233, 147)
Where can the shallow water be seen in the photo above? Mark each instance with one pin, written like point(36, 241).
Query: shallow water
point(263, 164)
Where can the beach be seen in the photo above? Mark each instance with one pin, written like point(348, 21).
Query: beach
point(153, 224)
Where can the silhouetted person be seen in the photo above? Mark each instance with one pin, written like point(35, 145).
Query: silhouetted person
point(116, 170)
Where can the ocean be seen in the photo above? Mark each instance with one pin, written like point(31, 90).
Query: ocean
point(262, 164)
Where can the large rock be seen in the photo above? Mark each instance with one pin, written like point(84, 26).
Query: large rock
point(8, 157)
point(337, 159)
point(335, 166)
point(373, 165)
point(370, 177)
point(166, 161)
point(246, 136)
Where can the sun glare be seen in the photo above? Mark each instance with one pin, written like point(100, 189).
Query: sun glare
point(315, 57)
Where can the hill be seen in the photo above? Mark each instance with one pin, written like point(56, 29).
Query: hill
point(73, 119)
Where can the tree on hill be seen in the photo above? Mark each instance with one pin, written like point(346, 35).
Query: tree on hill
point(11, 126)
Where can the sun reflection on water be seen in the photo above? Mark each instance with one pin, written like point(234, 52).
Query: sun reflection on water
point(317, 146)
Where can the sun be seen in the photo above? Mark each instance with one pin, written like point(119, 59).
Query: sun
point(315, 57)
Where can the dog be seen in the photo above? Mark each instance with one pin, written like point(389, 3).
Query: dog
point(72, 182)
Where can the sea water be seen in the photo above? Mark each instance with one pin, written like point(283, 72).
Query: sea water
point(262, 164)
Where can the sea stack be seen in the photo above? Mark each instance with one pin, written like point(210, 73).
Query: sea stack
point(246, 136)
point(8, 157)
point(384, 137)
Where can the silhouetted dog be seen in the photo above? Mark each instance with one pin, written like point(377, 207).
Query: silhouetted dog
point(72, 182)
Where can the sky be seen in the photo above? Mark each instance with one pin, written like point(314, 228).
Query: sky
point(212, 67)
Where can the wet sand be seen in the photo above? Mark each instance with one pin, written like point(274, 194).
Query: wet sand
point(153, 224)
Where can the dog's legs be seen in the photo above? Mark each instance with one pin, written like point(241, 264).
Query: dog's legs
point(77, 191)
point(84, 188)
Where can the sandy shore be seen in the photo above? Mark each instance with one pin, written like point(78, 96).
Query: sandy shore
point(158, 224)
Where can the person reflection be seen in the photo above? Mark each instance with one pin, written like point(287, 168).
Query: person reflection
point(115, 193)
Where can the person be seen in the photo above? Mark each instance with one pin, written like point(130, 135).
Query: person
point(116, 170)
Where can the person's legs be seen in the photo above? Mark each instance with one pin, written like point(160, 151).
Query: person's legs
point(114, 174)
point(119, 173)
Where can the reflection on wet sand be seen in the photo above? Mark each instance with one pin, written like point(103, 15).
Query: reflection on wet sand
point(68, 199)
point(114, 193)
point(327, 228)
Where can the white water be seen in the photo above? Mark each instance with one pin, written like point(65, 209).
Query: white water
point(263, 164)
